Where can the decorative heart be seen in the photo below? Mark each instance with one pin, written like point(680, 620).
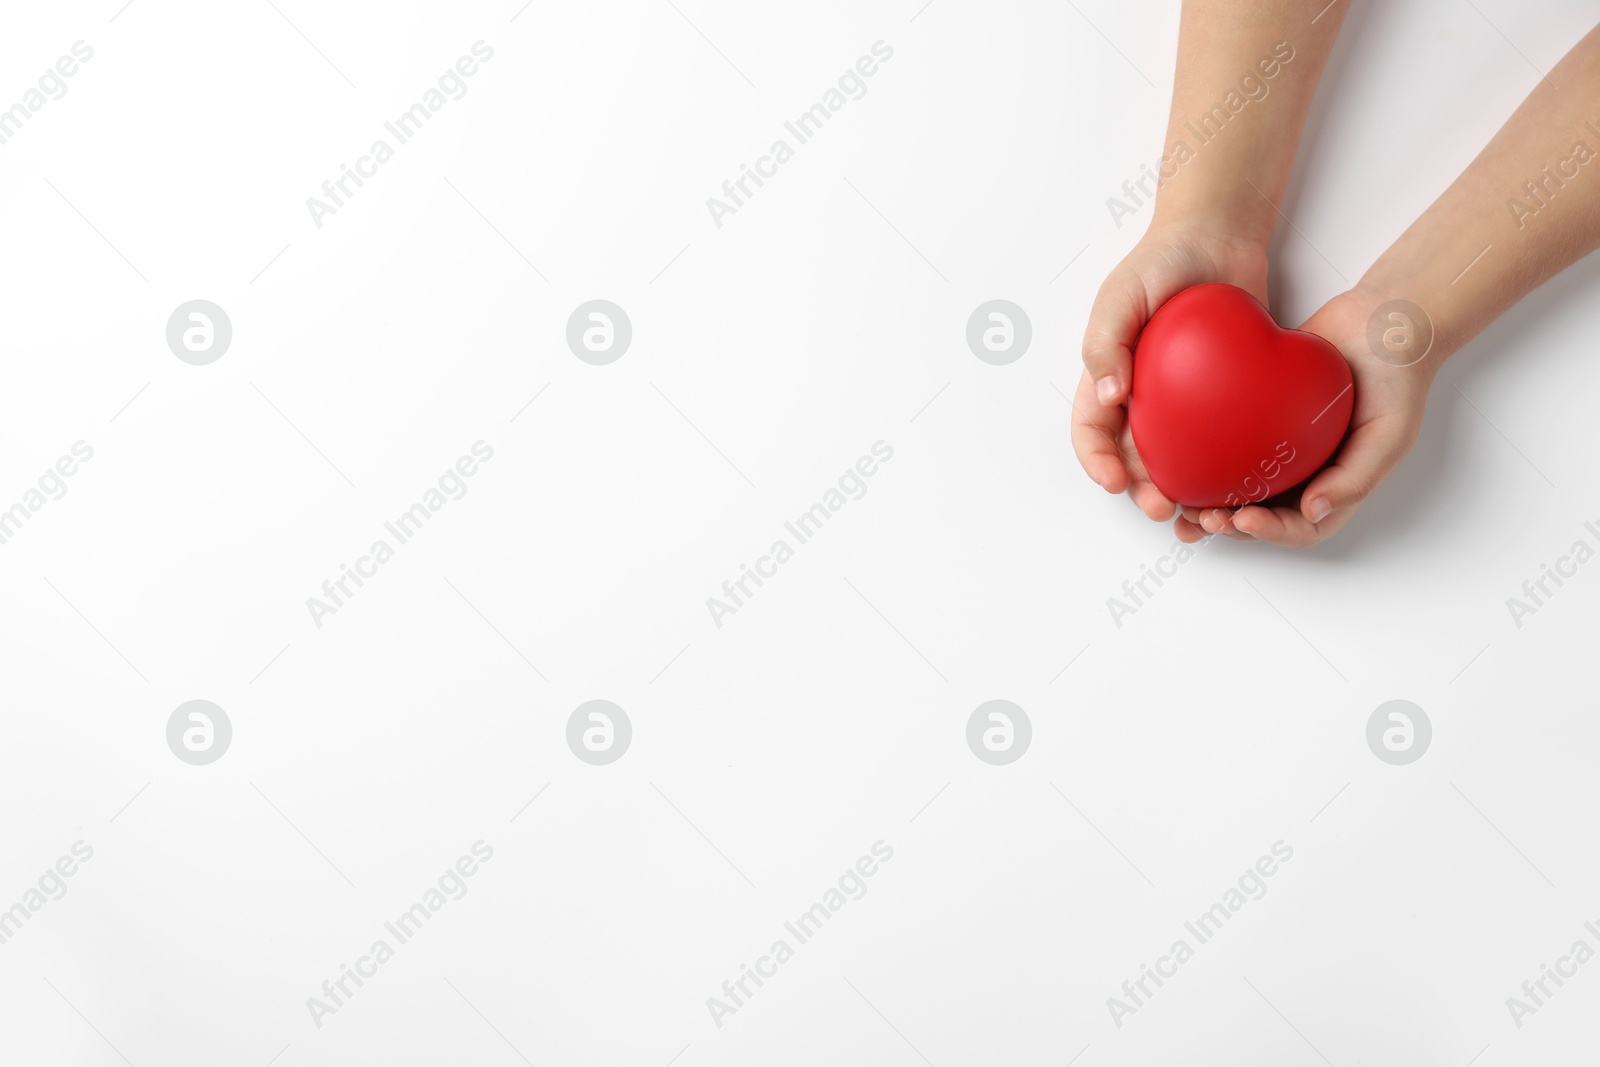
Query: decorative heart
point(1227, 407)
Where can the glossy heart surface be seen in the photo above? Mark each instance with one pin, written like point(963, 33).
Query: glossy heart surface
point(1227, 407)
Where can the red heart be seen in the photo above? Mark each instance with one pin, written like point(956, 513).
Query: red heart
point(1227, 407)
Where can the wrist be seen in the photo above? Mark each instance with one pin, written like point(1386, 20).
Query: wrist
point(1405, 325)
point(1204, 248)
point(1384, 336)
point(1238, 210)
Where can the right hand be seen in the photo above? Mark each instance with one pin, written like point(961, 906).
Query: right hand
point(1167, 260)
point(1384, 424)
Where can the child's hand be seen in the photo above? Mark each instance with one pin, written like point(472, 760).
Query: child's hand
point(1387, 417)
point(1104, 443)
point(1169, 259)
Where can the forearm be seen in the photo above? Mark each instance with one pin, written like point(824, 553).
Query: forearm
point(1526, 208)
point(1246, 75)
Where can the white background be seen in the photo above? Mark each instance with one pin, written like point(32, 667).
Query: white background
point(770, 753)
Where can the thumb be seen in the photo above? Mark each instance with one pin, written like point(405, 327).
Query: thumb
point(1118, 314)
point(1368, 455)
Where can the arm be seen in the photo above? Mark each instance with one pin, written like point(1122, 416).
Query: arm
point(1526, 208)
point(1234, 180)
point(1245, 77)
point(1526, 198)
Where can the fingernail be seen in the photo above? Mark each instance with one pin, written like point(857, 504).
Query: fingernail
point(1319, 510)
point(1107, 389)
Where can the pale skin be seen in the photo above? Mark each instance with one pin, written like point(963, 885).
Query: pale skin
point(1213, 219)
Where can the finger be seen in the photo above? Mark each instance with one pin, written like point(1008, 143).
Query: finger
point(1094, 438)
point(1190, 512)
point(1278, 526)
point(1151, 501)
point(1187, 530)
point(1118, 314)
point(1190, 531)
point(1231, 531)
point(1216, 520)
point(1371, 452)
